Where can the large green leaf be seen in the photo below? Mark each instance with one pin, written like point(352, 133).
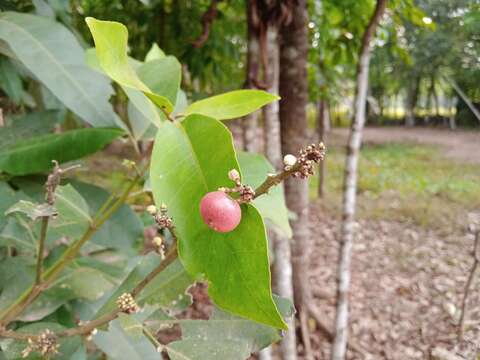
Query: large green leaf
point(111, 42)
point(224, 336)
point(231, 105)
point(54, 56)
point(189, 160)
point(142, 113)
point(122, 230)
point(255, 168)
point(36, 155)
point(27, 126)
point(162, 76)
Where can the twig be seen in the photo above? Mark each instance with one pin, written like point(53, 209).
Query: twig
point(473, 269)
point(207, 19)
point(275, 179)
point(301, 167)
point(41, 249)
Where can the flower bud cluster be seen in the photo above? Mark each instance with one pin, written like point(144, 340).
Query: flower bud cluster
point(126, 303)
point(46, 344)
point(161, 218)
point(307, 158)
point(245, 192)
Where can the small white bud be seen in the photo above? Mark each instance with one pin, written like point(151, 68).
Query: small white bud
point(234, 175)
point(289, 160)
point(157, 241)
point(152, 209)
point(94, 331)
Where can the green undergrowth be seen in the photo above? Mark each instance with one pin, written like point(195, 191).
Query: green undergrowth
point(406, 183)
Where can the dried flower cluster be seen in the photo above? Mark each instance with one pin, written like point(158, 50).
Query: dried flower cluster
point(307, 157)
point(245, 192)
point(161, 218)
point(46, 344)
point(126, 303)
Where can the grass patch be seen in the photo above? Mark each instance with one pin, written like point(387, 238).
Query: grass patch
point(406, 182)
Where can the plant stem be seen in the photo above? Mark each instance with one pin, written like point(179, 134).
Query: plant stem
point(41, 249)
point(35, 290)
point(275, 179)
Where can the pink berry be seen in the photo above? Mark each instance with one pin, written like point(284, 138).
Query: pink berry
point(220, 212)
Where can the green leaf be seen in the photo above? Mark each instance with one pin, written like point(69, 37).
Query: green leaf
point(255, 168)
point(185, 166)
point(231, 105)
point(142, 113)
point(73, 213)
point(55, 57)
point(122, 230)
point(154, 53)
point(17, 233)
point(225, 336)
point(111, 41)
point(167, 290)
point(118, 344)
point(36, 155)
point(27, 126)
point(87, 283)
point(32, 210)
point(163, 76)
point(9, 197)
point(10, 80)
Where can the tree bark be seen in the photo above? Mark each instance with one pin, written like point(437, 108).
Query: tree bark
point(412, 98)
point(282, 265)
point(271, 121)
point(350, 186)
point(250, 122)
point(293, 121)
point(323, 125)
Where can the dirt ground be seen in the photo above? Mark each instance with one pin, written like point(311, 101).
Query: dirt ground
point(458, 145)
point(407, 282)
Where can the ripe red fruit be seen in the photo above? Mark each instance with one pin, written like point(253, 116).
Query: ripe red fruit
point(220, 212)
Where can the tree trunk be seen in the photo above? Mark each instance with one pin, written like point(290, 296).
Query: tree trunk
point(323, 125)
point(293, 119)
point(350, 187)
point(282, 266)
point(250, 122)
point(271, 122)
point(412, 98)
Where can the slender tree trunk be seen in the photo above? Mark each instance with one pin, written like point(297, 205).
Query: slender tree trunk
point(293, 119)
point(350, 187)
point(250, 122)
point(323, 125)
point(412, 98)
point(271, 122)
point(282, 266)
